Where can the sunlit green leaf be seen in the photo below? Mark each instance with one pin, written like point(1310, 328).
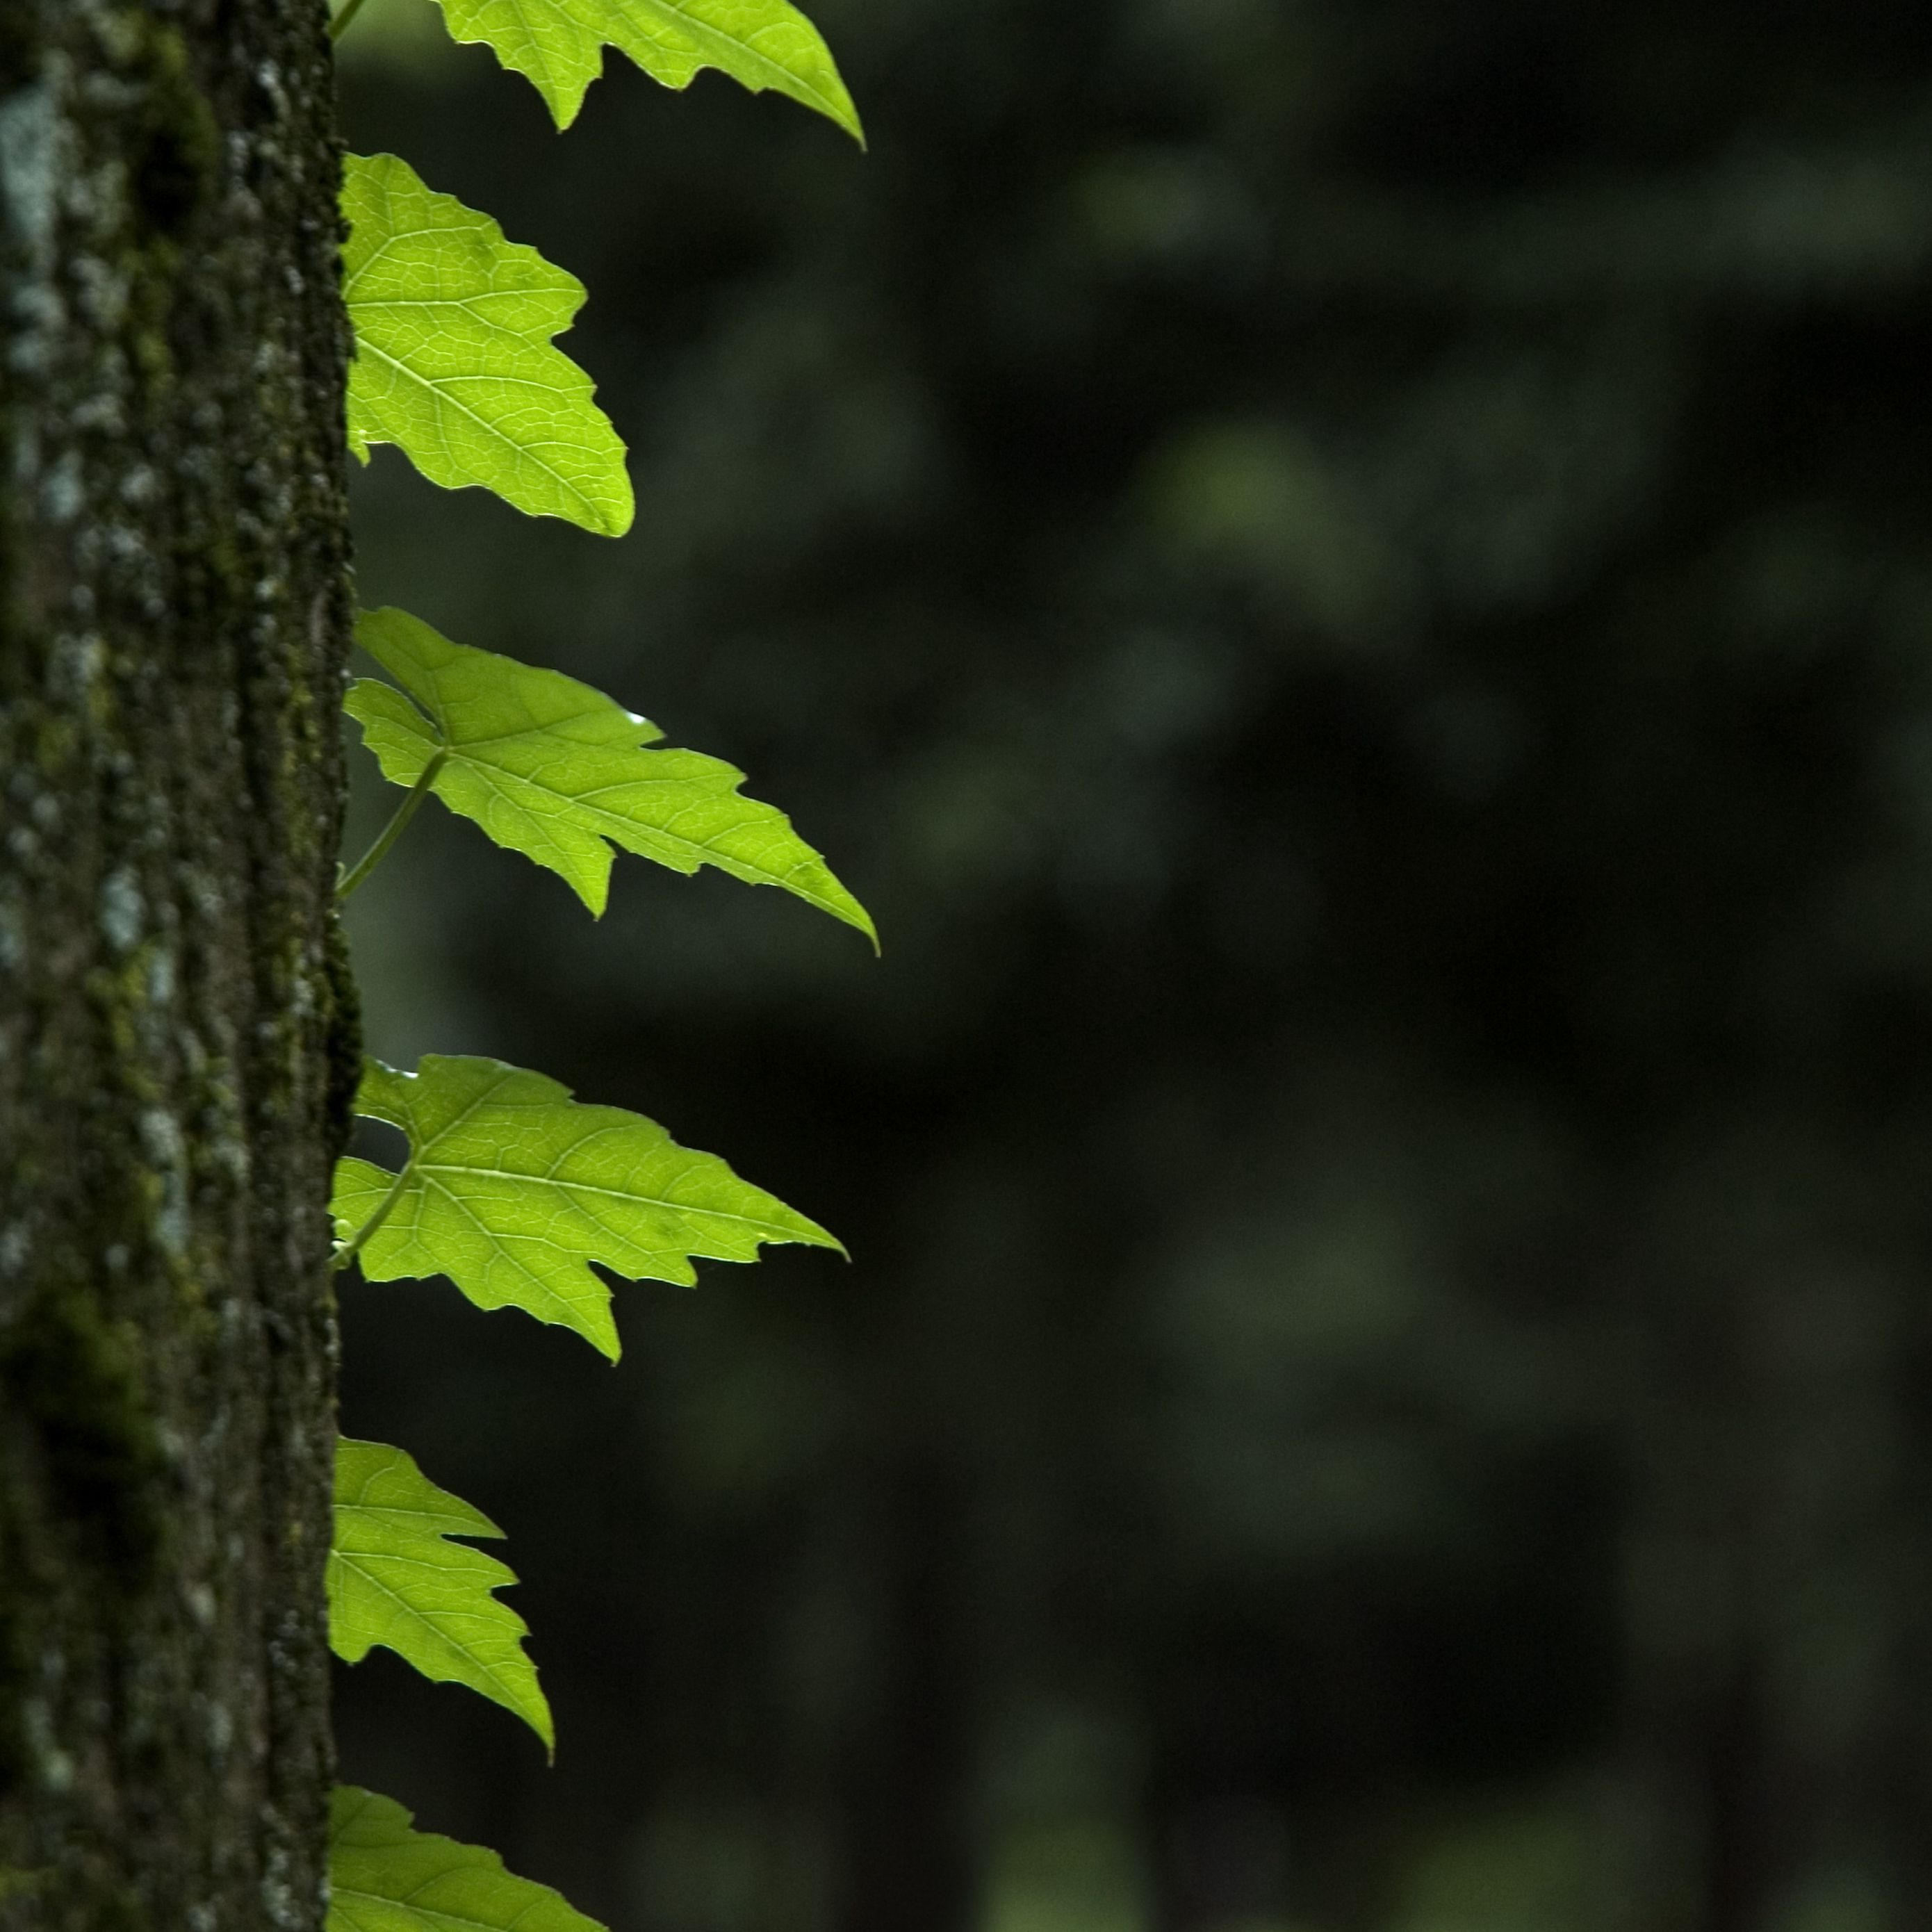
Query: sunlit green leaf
point(512, 1189)
point(384, 1876)
point(554, 769)
point(395, 1579)
point(453, 360)
point(559, 45)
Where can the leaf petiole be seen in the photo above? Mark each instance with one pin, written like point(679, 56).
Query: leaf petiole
point(349, 1249)
point(393, 830)
point(339, 25)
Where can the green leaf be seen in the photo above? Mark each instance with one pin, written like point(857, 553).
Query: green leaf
point(554, 769)
point(384, 1877)
point(453, 362)
point(512, 1189)
point(559, 45)
point(394, 1578)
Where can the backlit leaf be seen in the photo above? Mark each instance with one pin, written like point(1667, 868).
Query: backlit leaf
point(559, 45)
point(384, 1876)
point(395, 1579)
point(453, 360)
point(512, 1189)
point(552, 769)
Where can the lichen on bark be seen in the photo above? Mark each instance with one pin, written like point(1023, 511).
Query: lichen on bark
point(173, 631)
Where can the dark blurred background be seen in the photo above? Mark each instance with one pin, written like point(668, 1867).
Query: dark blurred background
point(1352, 582)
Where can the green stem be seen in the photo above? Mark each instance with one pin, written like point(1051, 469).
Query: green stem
point(339, 25)
point(350, 1249)
point(393, 830)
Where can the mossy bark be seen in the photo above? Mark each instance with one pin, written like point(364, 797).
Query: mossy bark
point(176, 1037)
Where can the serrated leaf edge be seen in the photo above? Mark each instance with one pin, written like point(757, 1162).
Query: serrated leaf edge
point(808, 1233)
point(840, 904)
point(515, 1627)
point(350, 1804)
point(564, 99)
point(491, 235)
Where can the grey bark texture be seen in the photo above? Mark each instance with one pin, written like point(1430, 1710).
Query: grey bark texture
point(176, 1037)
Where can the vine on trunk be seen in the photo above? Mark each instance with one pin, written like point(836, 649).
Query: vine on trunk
point(511, 1188)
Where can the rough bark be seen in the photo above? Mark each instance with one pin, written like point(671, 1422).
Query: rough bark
point(175, 1036)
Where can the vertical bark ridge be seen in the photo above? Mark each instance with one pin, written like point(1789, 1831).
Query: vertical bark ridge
point(174, 1023)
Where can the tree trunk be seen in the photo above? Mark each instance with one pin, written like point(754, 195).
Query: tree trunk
point(176, 1037)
